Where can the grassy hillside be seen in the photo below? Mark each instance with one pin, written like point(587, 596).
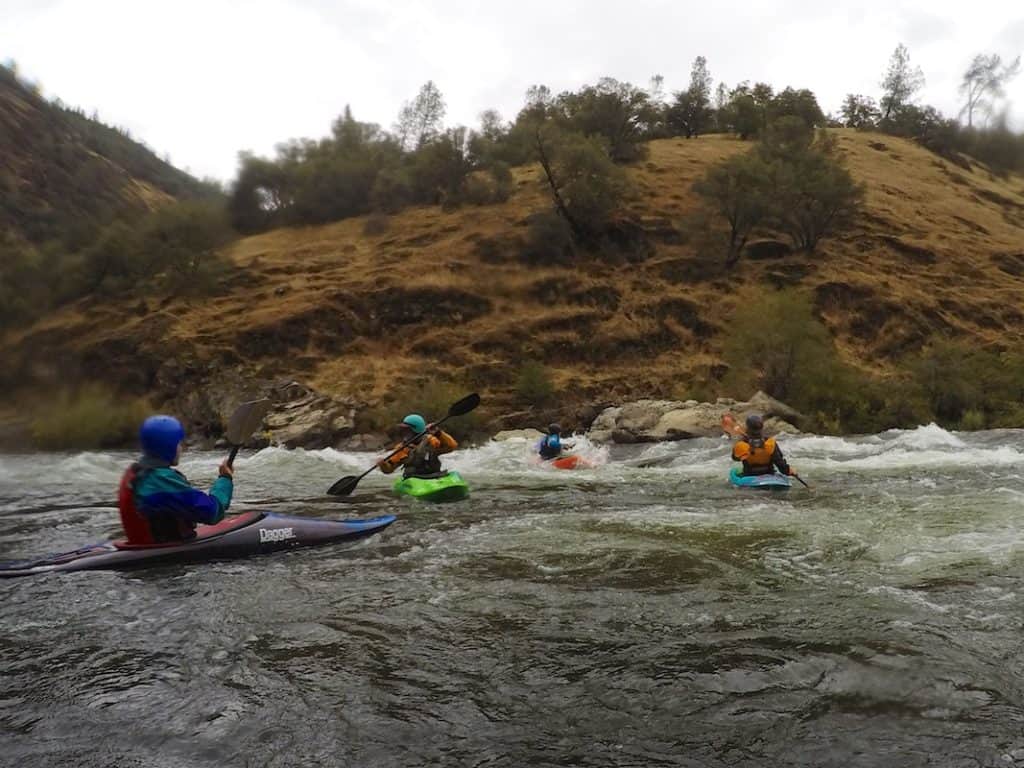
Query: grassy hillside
point(63, 175)
point(940, 250)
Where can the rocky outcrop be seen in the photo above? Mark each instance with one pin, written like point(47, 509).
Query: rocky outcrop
point(649, 421)
point(304, 418)
point(301, 417)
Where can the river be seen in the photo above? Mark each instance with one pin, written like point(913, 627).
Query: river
point(640, 614)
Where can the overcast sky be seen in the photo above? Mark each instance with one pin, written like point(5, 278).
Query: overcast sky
point(202, 79)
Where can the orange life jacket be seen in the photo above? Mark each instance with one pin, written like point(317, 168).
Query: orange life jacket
point(756, 454)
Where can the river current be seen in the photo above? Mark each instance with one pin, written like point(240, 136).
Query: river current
point(643, 613)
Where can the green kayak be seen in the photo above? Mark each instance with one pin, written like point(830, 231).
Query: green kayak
point(447, 486)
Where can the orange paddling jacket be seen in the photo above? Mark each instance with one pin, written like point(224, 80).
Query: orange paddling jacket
point(421, 459)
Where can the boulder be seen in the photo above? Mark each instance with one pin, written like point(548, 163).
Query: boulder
point(304, 418)
point(648, 421)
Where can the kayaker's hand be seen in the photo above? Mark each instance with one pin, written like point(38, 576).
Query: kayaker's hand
point(432, 429)
point(226, 470)
point(792, 472)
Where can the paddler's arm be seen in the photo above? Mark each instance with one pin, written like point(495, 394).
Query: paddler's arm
point(780, 462)
point(445, 443)
point(389, 465)
point(167, 490)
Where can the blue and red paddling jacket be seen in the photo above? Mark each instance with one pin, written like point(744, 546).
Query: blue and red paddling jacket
point(158, 504)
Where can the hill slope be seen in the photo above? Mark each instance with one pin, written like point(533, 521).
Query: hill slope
point(63, 175)
point(940, 250)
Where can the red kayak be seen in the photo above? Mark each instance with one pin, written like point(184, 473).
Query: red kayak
point(571, 462)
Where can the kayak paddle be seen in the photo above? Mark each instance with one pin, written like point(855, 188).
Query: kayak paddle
point(730, 427)
point(346, 485)
point(247, 418)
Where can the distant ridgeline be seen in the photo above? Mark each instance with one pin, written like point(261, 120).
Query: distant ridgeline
point(66, 175)
point(65, 180)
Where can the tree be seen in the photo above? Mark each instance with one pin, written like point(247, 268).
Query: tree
point(586, 186)
point(619, 112)
point(900, 83)
point(859, 111)
point(421, 119)
point(691, 111)
point(812, 193)
point(739, 190)
point(260, 195)
point(801, 104)
point(983, 83)
point(440, 167)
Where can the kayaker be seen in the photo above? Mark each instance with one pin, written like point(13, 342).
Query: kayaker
point(551, 445)
point(759, 456)
point(422, 457)
point(156, 502)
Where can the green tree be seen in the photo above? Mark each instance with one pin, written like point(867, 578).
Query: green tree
point(859, 111)
point(691, 111)
point(900, 83)
point(812, 195)
point(260, 195)
point(586, 186)
point(440, 167)
point(619, 112)
point(739, 190)
point(421, 119)
point(801, 104)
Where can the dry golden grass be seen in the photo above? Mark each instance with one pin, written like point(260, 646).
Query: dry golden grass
point(920, 262)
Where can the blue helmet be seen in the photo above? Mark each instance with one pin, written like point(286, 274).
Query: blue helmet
point(415, 422)
point(160, 436)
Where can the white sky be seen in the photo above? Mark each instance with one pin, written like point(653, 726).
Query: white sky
point(202, 79)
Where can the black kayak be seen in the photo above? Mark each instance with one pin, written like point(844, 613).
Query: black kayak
point(247, 534)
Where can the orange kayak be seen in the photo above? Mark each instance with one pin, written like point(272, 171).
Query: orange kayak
point(570, 462)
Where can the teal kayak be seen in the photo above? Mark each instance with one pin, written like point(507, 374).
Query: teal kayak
point(773, 482)
point(448, 486)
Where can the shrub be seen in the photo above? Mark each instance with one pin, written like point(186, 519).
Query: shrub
point(973, 420)
point(92, 417)
point(776, 344)
point(548, 240)
point(376, 224)
point(431, 399)
point(534, 384)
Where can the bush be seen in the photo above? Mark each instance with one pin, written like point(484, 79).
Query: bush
point(973, 420)
point(534, 384)
point(431, 399)
point(494, 186)
point(376, 224)
point(548, 240)
point(92, 417)
point(776, 344)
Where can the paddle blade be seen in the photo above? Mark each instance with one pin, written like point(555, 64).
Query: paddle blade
point(343, 487)
point(730, 427)
point(246, 419)
point(464, 406)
